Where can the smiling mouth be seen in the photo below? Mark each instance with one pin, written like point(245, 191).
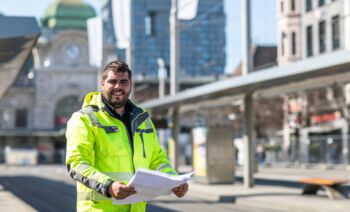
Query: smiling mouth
point(118, 93)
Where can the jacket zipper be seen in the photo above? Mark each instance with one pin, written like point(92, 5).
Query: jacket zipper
point(131, 142)
point(143, 144)
point(140, 132)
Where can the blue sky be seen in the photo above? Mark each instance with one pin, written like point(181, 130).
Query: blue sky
point(264, 22)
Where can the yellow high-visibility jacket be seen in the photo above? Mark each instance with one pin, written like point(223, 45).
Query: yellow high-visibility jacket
point(99, 152)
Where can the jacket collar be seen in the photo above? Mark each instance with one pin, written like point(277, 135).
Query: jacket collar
point(130, 107)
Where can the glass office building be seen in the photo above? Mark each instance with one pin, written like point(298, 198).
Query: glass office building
point(202, 39)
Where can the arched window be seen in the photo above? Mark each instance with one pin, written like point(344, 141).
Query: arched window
point(64, 109)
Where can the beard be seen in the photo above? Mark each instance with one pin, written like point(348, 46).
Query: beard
point(118, 101)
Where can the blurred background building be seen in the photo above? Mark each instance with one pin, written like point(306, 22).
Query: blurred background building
point(305, 125)
point(51, 83)
point(57, 74)
point(310, 28)
point(202, 44)
point(319, 116)
point(202, 39)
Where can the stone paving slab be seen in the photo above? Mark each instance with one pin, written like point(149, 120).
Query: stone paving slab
point(9, 202)
point(276, 198)
point(262, 197)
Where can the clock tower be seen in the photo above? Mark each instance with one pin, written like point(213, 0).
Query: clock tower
point(67, 48)
point(64, 41)
point(62, 72)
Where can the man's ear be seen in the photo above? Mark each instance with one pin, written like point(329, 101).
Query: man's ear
point(101, 84)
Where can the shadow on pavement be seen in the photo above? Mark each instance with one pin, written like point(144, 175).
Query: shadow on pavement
point(153, 208)
point(42, 194)
point(267, 182)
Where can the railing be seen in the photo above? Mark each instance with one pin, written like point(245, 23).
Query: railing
point(326, 150)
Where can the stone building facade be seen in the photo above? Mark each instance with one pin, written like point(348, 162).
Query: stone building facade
point(309, 28)
point(51, 85)
point(316, 121)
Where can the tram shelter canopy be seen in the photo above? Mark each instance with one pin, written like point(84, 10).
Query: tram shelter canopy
point(301, 75)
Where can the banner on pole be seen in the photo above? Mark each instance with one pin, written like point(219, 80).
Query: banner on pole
point(95, 33)
point(121, 22)
point(187, 9)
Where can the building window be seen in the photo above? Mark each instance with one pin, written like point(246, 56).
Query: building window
point(294, 51)
point(282, 5)
point(150, 24)
point(321, 2)
point(308, 5)
point(21, 118)
point(322, 36)
point(335, 33)
point(309, 41)
point(292, 5)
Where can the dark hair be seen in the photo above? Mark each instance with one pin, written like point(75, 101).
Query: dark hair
point(116, 66)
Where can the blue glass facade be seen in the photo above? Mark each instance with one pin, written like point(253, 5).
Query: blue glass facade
point(202, 40)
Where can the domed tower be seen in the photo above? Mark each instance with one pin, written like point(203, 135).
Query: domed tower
point(67, 14)
point(64, 39)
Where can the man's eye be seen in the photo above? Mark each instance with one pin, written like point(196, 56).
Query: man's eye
point(124, 82)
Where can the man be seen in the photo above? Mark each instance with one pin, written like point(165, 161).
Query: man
point(108, 140)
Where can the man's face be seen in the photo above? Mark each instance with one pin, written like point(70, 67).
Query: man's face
point(116, 88)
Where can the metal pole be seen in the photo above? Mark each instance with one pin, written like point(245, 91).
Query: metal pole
point(248, 100)
point(161, 77)
point(130, 50)
point(345, 144)
point(175, 135)
point(248, 141)
point(174, 75)
point(174, 49)
point(246, 35)
point(161, 90)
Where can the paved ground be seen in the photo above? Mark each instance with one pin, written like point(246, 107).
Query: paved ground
point(48, 188)
point(9, 202)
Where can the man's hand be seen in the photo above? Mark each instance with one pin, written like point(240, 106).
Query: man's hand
point(120, 191)
point(181, 190)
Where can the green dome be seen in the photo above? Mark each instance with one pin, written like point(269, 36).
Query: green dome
point(67, 14)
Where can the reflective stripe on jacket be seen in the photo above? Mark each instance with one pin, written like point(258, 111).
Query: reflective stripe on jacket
point(99, 152)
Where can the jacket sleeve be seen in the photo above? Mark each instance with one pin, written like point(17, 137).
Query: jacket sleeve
point(160, 161)
point(80, 155)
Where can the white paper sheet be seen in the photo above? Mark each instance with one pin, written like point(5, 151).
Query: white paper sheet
point(150, 184)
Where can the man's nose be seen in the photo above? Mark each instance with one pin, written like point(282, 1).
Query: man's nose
point(117, 85)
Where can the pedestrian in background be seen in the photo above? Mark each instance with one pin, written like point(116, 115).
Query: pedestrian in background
point(108, 140)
